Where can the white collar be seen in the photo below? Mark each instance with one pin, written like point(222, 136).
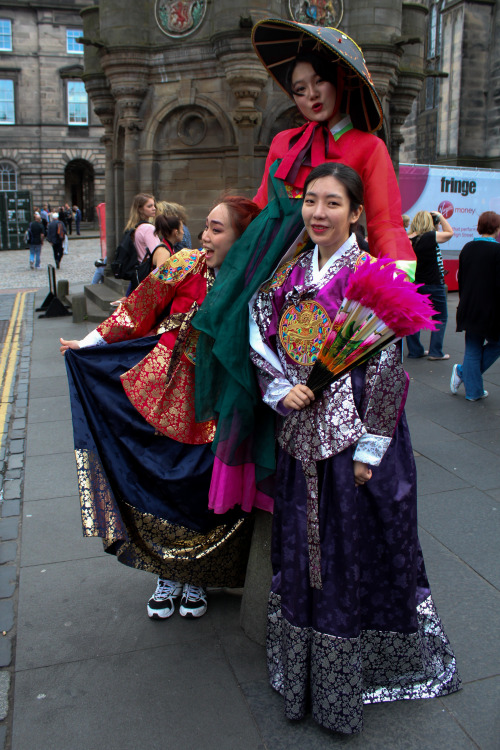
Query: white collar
point(340, 125)
point(318, 273)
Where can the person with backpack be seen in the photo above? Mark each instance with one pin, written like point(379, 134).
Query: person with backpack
point(138, 242)
point(144, 463)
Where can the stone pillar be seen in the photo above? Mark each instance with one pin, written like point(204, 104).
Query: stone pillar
point(253, 612)
point(410, 73)
point(127, 73)
point(246, 77)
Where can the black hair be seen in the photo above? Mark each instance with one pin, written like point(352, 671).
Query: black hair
point(347, 176)
point(327, 70)
point(164, 225)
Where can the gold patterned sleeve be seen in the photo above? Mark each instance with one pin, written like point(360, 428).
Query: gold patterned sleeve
point(140, 312)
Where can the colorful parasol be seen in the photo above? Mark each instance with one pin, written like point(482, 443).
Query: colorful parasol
point(380, 305)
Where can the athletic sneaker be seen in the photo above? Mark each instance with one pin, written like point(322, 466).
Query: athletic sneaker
point(162, 603)
point(485, 395)
point(456, 380)
point(193, 602)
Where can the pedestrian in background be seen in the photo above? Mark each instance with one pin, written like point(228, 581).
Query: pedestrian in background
point(478, 312)
point(35, 240)
point(175, 209)
point(424, 238)
point(56, 233)
point(78, 218)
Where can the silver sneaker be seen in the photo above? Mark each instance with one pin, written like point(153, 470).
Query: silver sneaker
point(193, 602)
point(162, 603)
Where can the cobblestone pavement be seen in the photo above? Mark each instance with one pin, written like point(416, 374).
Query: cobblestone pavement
point(77, 267)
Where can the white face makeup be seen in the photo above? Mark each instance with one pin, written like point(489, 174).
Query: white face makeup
point(327, 214)
point(314, 96)
point(218, 236)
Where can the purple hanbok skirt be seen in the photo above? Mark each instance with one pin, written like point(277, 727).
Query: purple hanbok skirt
point(371, 634)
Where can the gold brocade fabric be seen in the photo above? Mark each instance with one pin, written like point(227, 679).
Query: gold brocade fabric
point(215, 558)
point(100, 516)
point(167, 406)
point(140, 540)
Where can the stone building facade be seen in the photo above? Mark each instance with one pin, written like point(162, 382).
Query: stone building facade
point(49, 134)
point(187, 115)
point(456, 118)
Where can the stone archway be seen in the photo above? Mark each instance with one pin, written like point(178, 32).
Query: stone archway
point(79, 186)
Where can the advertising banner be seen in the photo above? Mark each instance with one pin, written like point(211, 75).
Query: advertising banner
point(460, 194)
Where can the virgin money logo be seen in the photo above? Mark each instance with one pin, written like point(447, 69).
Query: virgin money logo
point(446, 209)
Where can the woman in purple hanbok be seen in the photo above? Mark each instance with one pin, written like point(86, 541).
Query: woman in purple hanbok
point(351, 618)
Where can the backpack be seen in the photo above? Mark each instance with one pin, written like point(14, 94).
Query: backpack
point(125, 264)
point(27, 236)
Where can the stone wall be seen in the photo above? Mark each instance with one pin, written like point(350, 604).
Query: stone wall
point(186, 118)
point(463, 129)
point(41, 144)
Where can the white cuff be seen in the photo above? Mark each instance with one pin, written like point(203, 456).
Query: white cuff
point(275, 393)
point(371, 449)
point(92, 339)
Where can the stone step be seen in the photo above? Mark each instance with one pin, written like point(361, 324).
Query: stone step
point(96, 314)
point(101, 295)
point(119, 285)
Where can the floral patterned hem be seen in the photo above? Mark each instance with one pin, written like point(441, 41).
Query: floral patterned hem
point(335, 676)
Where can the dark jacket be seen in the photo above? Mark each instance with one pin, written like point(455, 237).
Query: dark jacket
point(479, 289)
point(36, 231)
point(53, 235)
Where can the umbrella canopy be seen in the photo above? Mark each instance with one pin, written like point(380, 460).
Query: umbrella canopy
point(278, 42)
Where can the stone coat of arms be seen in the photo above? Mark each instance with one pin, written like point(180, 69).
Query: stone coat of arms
point(178, 18)
point(317, 12)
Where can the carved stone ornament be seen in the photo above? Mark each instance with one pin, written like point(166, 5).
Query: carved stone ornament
point(317, 12)
point(178, 18)
point(192, 128)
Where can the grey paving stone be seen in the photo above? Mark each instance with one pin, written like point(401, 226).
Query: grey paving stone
point(49, 387)
point(52, 532)
point(488, 439)
point(10, 508)
point(61, 434)
point(495, 494)
point(476, 708)
point(139, 687)
point(8, 576)
point(53, 366)
point(405, 725)
point(12, 475)
point(5, 651)
point(12, 489)
point(466, 523)
point(8, 552)
point(49, 409)
point(468, 607)
point(16, 446)
point(16, 461)
point(63, 605)
point(480, 468)
point(4, 694)
point(47, 479)
point(6, 614)
point(17, 434)
point(9, 528)
point(430, 475)
point(19, 424)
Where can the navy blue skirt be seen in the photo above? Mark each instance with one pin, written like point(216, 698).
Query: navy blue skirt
point(145, 494)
